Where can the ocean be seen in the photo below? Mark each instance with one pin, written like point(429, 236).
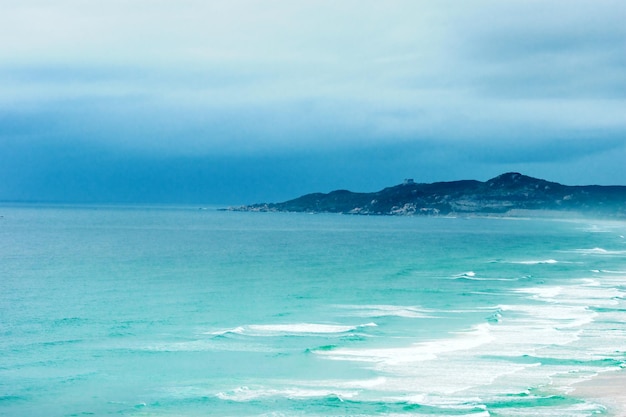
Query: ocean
point(176, 311)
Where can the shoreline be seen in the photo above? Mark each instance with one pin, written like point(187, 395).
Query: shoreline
point(607, 388)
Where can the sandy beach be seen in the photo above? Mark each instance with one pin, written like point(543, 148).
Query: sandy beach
point(608, 389)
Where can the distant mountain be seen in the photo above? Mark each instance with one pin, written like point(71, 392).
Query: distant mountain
point(508, 193)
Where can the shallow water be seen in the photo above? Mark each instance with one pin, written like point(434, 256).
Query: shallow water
point(168, 311)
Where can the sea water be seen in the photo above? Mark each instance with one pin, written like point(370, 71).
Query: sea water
point(175, 311)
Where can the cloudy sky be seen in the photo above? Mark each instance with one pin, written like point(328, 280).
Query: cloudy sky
point(246, 101)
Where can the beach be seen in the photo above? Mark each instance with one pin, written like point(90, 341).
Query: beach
point(608, 389)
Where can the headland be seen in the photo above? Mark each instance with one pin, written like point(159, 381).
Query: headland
point(507, 194)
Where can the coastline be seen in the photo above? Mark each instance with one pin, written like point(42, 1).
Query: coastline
point(606, 388)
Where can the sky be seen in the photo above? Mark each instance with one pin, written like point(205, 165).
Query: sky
point(236, 102)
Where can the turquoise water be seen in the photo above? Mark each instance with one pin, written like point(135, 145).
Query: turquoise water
point(138, 311)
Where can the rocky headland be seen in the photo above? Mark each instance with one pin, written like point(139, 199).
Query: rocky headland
point(510, 193)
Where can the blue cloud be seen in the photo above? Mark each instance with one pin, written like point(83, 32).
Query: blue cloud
point(309, 96)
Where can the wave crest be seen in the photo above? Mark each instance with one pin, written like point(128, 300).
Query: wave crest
point(291, 328)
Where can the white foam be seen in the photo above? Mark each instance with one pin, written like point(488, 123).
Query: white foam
point(368, 383)
point(542, 293)
point(236, 330)
point(424, 351)
point(293, 328)
point(599, 251)
point(245, 394)
point(545, 261)
point(555, 324)
point(343, 384)
point(561, 318)
point(383, 310)
point(594, 250)
point(485, 279)
point(591, 293)
point(301, 328)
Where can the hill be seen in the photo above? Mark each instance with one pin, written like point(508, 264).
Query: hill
point(506, 193)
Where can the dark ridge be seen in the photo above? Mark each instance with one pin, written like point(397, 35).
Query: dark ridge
point(507, 194)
